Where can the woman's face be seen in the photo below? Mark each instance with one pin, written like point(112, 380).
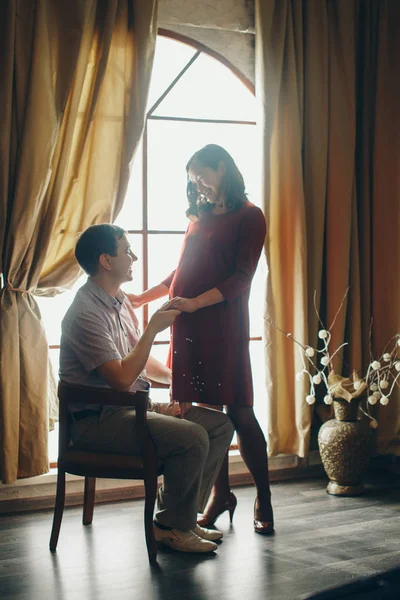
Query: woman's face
point(207, 181)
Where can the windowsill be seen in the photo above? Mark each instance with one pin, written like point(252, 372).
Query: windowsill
point(38, 493)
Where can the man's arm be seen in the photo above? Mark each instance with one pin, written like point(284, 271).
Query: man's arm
point(121, 374)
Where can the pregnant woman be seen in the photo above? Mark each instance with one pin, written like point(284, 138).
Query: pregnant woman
point(209, 351)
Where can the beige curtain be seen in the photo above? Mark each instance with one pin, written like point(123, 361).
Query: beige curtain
point(74, 79)
point(328, 83)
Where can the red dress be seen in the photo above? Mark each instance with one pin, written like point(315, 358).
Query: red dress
point(209, 351)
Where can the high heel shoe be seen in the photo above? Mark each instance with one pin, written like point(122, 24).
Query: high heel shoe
point(216, 509)
point(261, 526)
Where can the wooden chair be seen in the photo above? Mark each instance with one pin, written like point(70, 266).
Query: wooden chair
point(115, 466)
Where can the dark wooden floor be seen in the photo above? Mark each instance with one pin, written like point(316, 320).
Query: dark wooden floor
point(320, 542)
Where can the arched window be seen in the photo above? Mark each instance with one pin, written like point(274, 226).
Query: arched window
point(195, 99)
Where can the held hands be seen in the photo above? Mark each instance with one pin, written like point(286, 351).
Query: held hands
point(163, 318)
point(189, 305)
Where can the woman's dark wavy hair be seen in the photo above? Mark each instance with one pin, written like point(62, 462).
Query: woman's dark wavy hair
point(232, 182)
point(94, 241)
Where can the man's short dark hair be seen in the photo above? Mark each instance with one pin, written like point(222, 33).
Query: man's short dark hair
point(94, 241)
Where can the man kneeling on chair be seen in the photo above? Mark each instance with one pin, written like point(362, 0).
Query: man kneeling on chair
point(101, 346)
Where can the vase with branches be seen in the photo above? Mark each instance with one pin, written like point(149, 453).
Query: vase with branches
point(343, 442)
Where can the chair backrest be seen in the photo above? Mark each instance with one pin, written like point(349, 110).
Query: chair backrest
point(63, 423)
point(69, 393)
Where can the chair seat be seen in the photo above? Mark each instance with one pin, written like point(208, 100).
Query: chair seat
point(96, 464)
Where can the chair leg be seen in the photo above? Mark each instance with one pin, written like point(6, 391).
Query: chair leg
point(58, 509)
point(88, 500)
point(150, 486)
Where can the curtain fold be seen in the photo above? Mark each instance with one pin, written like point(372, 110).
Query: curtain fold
point(75, 78)
point(327, 82)
point(385, 191)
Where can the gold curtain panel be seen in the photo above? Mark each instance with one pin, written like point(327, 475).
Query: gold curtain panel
point(328, 81)
point(74, 78)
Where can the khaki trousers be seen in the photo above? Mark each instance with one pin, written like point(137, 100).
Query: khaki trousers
point(191, 451)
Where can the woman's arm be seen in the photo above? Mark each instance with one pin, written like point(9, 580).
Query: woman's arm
point(158, 291)
point(190, 305)
point(250, 242)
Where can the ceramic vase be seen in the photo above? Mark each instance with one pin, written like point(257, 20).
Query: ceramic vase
point(345, 447)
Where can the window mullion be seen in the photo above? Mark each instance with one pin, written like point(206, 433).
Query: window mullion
point(198, 120)
point(172, 85)
point(145, 225)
